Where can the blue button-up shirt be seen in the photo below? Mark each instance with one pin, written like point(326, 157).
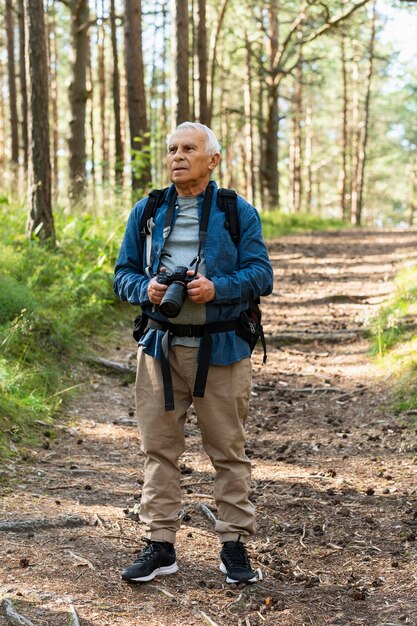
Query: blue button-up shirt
point(238, 272)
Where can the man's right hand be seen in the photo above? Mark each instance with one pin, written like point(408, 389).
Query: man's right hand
point(155, 290)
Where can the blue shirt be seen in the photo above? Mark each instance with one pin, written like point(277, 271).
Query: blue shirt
point(238, 272)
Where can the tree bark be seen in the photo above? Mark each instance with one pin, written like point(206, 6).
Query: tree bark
point(202, 108)
point(116, 98)
point(40, 222)
point(138, 124)
point(413, 194)
point(343, 170)
point(180, 56)
point(270, 160)
point(365, 125)
point(103, 104)
point(53, 77)
point(23, 84)
point(249, 149)
point(78, 97)
point(298, 112)
point(14, 121)
point(214, 40)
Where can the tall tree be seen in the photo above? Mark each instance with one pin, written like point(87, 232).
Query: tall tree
point(202, 109)
point(23, 85)
point(116, 97)
point(138, 123)
point(40, 221)
point(180, 92)
point(78, 96)
point(365, 124)
point(53, 78)
point(14, 121)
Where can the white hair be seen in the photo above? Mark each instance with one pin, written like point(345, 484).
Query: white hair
point(212, 143)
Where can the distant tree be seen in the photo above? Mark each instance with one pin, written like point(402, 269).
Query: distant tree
point(40, 221)
point(136, 99)
point(23, 85)
point(14, 121)
point(116, 97)
point(180, 53)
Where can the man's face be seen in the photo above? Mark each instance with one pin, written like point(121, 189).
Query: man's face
point(189, 165)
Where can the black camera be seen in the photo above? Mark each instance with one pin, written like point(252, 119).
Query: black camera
point(174, 297)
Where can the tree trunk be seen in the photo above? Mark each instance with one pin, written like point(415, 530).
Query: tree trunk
point(180, 55)
point(343, 169)
point(90, 114)
point(138, 124)
point(23, 83)
point(355, 137)
point(308, 156)
point(40, 220)
point(53, 78)
point(2, 118)
point(202, 109)
point(103, 103)
point(365, 125)
point(78, 97)
point(248, 146)
point(270, 160)
point(116, 98)
point(14, 121)
point(298, 112)
point(214, 40)
point(413, 194)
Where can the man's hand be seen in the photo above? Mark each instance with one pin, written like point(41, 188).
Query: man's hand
point(201, 289)
point(155, 290)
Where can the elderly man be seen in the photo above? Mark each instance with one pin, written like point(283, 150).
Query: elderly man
point(193, 354)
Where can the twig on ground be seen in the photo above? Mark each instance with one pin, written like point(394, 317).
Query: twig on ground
point(120, 368)
point(12, 616)
point(74, 621)
point(68, 521)
point(206, 617)
point(302, 537)
point(230, 604)
point(81, 560)
point(162, 590)
point(207, 513)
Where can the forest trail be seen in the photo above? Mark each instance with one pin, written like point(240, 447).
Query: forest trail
point(334, 474)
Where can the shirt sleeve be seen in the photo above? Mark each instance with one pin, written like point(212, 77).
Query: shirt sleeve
point(254, 277)
point(130, 281)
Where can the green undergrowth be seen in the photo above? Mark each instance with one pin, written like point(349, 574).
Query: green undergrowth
point(54, 303)
point(394, 341)
point(276, 223)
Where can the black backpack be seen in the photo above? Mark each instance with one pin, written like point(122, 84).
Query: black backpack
point(249, 326)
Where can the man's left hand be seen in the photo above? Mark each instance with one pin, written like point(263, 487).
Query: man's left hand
point(200, 290)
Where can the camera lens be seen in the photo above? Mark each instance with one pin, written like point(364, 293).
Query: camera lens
point(171, 303)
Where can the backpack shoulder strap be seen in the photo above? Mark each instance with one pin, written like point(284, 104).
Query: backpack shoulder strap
point(155, 199)
point(227, 200)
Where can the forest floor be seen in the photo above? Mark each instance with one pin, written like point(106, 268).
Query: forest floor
point(334, 474)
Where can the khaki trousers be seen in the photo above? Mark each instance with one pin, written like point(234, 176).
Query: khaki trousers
point(221, 415)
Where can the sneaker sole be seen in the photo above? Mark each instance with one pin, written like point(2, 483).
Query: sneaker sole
point(232, 581)
point(160, 571)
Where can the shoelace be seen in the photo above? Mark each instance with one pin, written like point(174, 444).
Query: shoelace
point(151, 549)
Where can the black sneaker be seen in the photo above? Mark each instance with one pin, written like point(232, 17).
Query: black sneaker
point(235, 563)
point(157, 559)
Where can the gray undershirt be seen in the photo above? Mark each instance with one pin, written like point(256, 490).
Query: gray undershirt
point(181, 248)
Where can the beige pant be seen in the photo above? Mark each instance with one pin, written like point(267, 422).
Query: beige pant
point(220, 415)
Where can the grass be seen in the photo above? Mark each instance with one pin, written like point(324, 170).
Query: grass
point(53, 301)
point(394, 340)
point(276, 223)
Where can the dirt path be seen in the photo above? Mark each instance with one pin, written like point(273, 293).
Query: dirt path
point(334, 475)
